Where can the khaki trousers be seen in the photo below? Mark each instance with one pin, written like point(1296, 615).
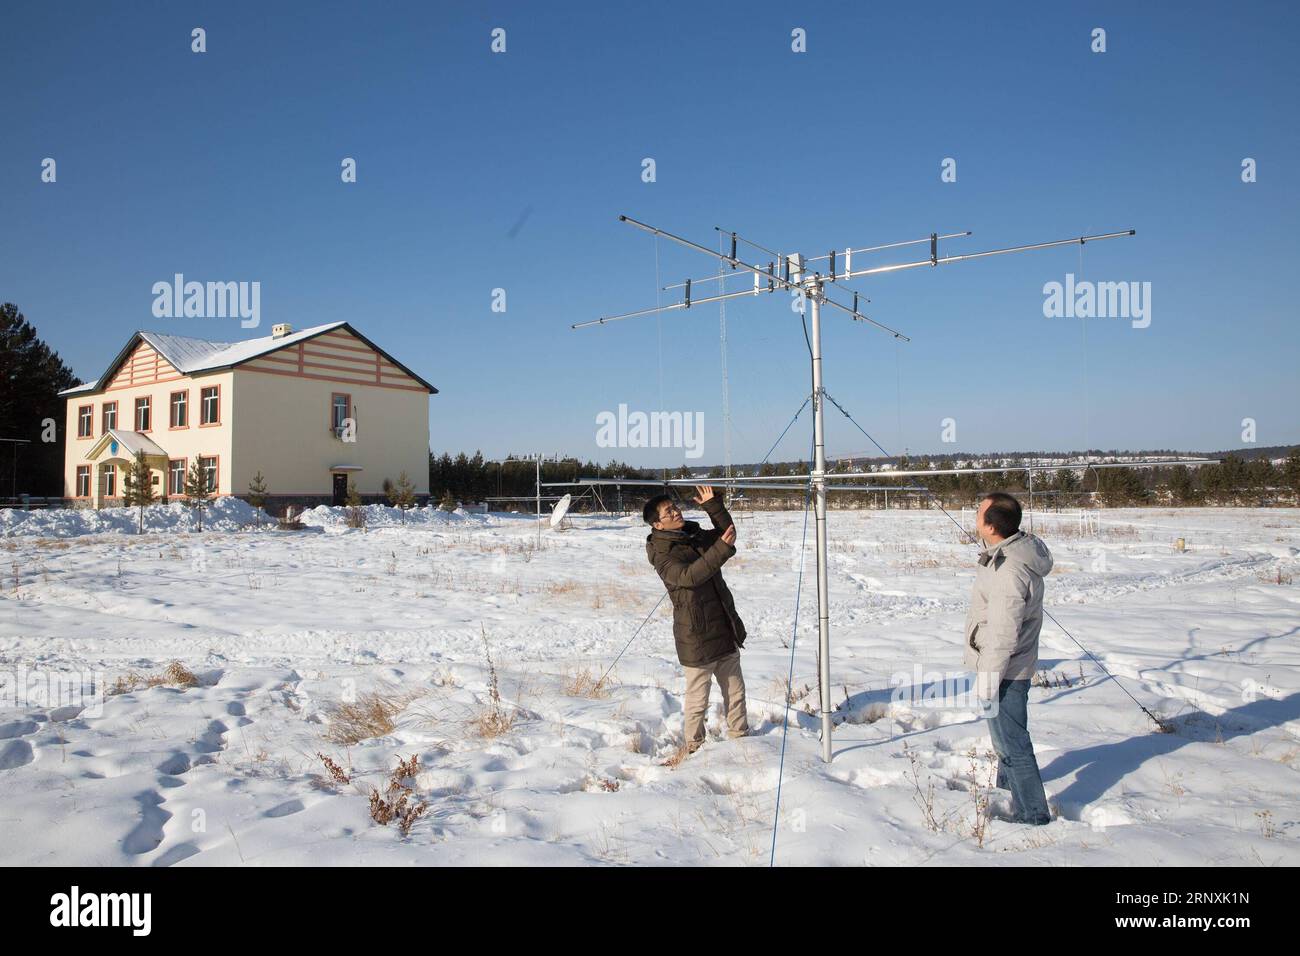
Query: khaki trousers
point(698, 682)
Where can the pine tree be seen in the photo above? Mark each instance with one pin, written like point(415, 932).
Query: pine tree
point(478, 488)
point(1291, 471)
point(31, 375)
point(440, 470)
point(196, 491)
point(356, 515)
point(137, 486)
point(1121, 486)
point(1260, 477)
point(1066, 480)
point(257, 496)
point(1182, 486)
point(448, 503)
point(402, 494)
point(460, 475)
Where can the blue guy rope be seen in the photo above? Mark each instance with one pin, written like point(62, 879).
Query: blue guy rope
point(789, 680)
point(1161, 725)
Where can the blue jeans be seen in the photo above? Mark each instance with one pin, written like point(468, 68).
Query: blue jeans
point(1017, 765)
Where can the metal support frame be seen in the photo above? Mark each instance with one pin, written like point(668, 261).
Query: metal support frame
point(795, 275)
point(537, 460)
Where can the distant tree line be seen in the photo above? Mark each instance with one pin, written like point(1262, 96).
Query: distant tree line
point(469, 478)
point(1236, 480)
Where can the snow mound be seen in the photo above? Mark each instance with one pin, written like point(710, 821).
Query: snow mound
point(382, 516)
point(221, 514)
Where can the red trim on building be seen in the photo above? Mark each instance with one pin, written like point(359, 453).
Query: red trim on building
point(170, 416)
point(139, 399)
point(82, 408)
point(185, 468)
point(216, 471)
point(203, 406)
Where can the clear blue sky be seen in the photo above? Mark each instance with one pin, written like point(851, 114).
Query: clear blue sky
point(225, 166)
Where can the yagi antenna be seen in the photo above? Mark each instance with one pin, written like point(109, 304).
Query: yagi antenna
point(784, 281)
point(795, 273)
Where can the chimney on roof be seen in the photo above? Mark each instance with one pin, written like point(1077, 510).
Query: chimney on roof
point(280, 330)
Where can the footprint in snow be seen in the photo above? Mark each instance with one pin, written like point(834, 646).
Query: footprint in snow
point(18, 728)
point(16, 753)
point(147, 835)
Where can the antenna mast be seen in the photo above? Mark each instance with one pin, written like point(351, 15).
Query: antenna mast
point(793, 273)
point(726, 385)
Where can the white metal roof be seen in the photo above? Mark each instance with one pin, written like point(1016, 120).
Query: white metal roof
point(196, 355)
point(128, 442)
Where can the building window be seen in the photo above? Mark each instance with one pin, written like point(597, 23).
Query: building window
point(180, 413)
point(340, 412)
point(209, 468)
point(85, 421)
point(210, 405)
point(108, 481)
point(83, 481)
point(143, 409)
point(176, 476)
point(110, 415)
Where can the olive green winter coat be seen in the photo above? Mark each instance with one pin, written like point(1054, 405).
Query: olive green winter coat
point(706, 626)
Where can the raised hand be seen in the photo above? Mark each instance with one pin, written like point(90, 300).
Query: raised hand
point(729, 535)
point(703, 493)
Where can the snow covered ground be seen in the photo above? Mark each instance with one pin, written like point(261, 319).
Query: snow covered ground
point(281, 628)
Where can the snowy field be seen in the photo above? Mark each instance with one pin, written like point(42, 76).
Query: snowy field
point(290, 634)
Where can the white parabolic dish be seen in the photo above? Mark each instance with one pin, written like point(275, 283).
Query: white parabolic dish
point(560, 510)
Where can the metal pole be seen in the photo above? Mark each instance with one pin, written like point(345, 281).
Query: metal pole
point(539, 500)
point(1031, 497)
point(1000, 469)
point(819, 484)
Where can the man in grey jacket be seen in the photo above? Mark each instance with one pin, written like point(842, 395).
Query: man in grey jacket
point(1002, 626)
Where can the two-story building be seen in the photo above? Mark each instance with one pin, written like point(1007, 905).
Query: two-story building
point(311, 410)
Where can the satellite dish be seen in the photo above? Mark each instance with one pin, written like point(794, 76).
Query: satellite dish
point(560, 510)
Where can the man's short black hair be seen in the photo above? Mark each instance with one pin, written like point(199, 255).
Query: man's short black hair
point(1003, 513)
point(651, 510)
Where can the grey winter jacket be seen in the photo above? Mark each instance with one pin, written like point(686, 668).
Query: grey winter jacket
point(1006, 609)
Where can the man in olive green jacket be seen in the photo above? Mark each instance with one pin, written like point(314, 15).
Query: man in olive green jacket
point(706, 628)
